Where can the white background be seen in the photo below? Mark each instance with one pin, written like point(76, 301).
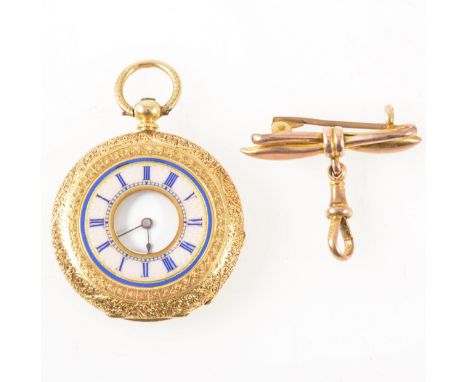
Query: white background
point(290, 311)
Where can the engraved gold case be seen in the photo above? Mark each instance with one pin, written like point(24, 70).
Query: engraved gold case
point(187, 228)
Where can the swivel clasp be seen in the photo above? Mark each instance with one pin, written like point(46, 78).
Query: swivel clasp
point(338, 213)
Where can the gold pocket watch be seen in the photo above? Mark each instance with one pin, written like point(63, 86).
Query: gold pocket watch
point(148, 225)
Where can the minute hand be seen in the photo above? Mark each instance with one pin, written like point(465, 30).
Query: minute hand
point(130, 230)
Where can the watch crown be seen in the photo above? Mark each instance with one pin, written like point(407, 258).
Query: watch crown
point(147, 111)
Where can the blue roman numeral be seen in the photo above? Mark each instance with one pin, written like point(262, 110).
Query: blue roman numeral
point(103, 198)
point(103, 246)
point(121, 180)
point(190, 196)
point(121, 264)
point(197, 221)
point(169, 263)
point(171, 179)
point(146, 173)
point(96, 222)
point(187, 246)
point(145, 269)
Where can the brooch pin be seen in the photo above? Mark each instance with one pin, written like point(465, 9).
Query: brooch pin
point(285, 143)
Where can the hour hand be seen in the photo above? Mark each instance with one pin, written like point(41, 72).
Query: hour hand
point(147, 223)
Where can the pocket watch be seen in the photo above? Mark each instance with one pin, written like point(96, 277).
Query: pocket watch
point(147, 225)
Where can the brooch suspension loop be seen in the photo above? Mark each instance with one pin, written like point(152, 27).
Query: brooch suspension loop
point(285, 143)
point(147, 110)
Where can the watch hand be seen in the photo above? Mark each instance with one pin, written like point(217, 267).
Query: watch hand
point(130, 230)
point(147, 223)
point(148, 245)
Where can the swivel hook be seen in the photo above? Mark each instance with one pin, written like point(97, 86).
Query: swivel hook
point(339, 212)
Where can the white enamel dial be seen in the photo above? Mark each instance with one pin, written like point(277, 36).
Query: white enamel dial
point(146, 222)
